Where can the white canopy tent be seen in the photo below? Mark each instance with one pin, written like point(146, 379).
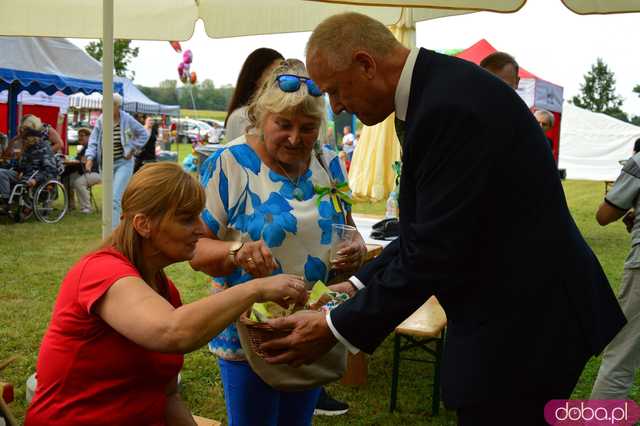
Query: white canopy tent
point(593, 144)
point(133, 100)
point(174, 20)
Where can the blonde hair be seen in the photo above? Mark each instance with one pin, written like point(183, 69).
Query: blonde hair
point(160, 191)
point(338, 36)
point(271, 99)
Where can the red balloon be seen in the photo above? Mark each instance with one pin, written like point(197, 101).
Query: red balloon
point(181, 69)
point(176, 46)
point(194, 77)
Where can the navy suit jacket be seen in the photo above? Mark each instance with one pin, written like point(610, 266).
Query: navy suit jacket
point(484, 225)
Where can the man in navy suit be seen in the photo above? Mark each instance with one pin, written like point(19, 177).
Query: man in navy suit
point(484, 225)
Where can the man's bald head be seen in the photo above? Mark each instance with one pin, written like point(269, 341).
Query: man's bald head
point(357, 61)
point(337, 37)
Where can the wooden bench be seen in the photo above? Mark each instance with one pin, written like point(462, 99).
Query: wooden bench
point(424, 327)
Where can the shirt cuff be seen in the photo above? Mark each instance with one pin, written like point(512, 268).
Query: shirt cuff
point(356, 282)
point(338, 336)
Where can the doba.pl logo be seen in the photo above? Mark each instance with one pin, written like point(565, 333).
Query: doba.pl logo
point(563, 412)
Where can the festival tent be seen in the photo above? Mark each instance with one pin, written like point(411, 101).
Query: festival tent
point(133, 100)
point(536, 92)
point(51, 109)
point(594, 144)
point(44, 64)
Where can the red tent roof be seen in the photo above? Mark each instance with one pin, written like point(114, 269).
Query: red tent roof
point(481, 50)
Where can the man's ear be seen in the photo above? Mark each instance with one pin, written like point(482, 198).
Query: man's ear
point(364, 62)
point(142, 225)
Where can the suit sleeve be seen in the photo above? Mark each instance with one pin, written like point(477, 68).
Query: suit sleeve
point(366, 273)
point(443, 223)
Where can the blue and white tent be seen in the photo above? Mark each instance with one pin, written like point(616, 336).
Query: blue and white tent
point(45, 64)
point(134, 100)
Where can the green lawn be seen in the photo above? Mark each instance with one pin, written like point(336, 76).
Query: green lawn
point(203, 113)
point(34, 257)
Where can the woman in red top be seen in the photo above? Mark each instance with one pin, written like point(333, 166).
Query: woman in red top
point(114, 346)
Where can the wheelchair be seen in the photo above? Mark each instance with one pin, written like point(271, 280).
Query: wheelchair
point(48, 202)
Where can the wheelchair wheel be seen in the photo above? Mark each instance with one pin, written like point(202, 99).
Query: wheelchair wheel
point(50, 202)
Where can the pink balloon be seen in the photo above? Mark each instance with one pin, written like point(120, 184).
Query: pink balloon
point(187, 56)
point(181, 69)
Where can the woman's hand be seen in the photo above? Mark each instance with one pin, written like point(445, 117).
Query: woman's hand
point(350, 257)
point(284, 289)
point(256, 258)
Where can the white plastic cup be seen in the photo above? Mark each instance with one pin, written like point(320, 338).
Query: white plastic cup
point(341, 236)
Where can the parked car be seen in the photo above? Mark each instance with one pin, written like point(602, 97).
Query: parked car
point(196, 131)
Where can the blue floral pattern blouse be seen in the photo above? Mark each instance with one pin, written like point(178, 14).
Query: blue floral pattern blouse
point(247, 201)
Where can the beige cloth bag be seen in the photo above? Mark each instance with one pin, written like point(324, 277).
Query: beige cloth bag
point(329, 368)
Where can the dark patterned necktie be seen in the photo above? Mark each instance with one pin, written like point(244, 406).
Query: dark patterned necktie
point(400, 130)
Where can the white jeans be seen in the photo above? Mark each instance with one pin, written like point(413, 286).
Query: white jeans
point(80, 184)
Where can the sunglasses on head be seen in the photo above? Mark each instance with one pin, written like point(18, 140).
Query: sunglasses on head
point(291, 83)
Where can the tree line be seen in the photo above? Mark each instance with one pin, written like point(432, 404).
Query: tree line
point(598, 93)
point(205, 95)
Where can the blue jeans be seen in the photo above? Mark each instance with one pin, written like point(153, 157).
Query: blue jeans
point(122, 171)
point(251, 402)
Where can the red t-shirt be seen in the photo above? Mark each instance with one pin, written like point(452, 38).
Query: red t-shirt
point(88, 373)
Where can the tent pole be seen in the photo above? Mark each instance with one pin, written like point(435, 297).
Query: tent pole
point(12, 108)
point(107, 116)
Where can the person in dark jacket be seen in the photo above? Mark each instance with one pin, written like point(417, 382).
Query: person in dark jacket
point(526, 300)
point(148, 152)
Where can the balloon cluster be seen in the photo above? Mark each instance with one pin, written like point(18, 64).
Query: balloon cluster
point(184, 68)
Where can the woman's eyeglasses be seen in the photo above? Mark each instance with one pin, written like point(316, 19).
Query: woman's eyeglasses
point(291, 83)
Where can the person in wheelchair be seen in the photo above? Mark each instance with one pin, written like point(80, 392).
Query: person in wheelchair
point(36, 163)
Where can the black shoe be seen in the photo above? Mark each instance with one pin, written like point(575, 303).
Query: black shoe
point(327, 406)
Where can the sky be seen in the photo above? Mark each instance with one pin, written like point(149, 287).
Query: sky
point(545, 37)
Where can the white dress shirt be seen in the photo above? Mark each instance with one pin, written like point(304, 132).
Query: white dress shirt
point(401, 101)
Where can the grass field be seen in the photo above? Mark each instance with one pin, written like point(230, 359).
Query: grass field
point(196, 113)
point(34, 258)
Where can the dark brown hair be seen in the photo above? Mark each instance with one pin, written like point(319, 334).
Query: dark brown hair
point(498, 60)
point(252, 69)
point(160, 191)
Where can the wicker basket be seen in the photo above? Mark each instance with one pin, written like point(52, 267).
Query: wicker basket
point(260, 332)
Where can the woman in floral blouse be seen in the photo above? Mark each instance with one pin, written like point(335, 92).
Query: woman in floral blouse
point(272, 197)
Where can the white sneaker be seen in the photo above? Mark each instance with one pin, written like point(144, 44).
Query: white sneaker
point(85, 211)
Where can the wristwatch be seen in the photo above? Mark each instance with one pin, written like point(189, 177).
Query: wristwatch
point(234, 249)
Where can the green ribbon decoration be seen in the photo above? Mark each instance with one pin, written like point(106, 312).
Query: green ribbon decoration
point(336, 192)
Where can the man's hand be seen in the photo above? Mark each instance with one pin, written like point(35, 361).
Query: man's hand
point(31, 183)
point(344, 287)
point(88, 165)
point(310, 338)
